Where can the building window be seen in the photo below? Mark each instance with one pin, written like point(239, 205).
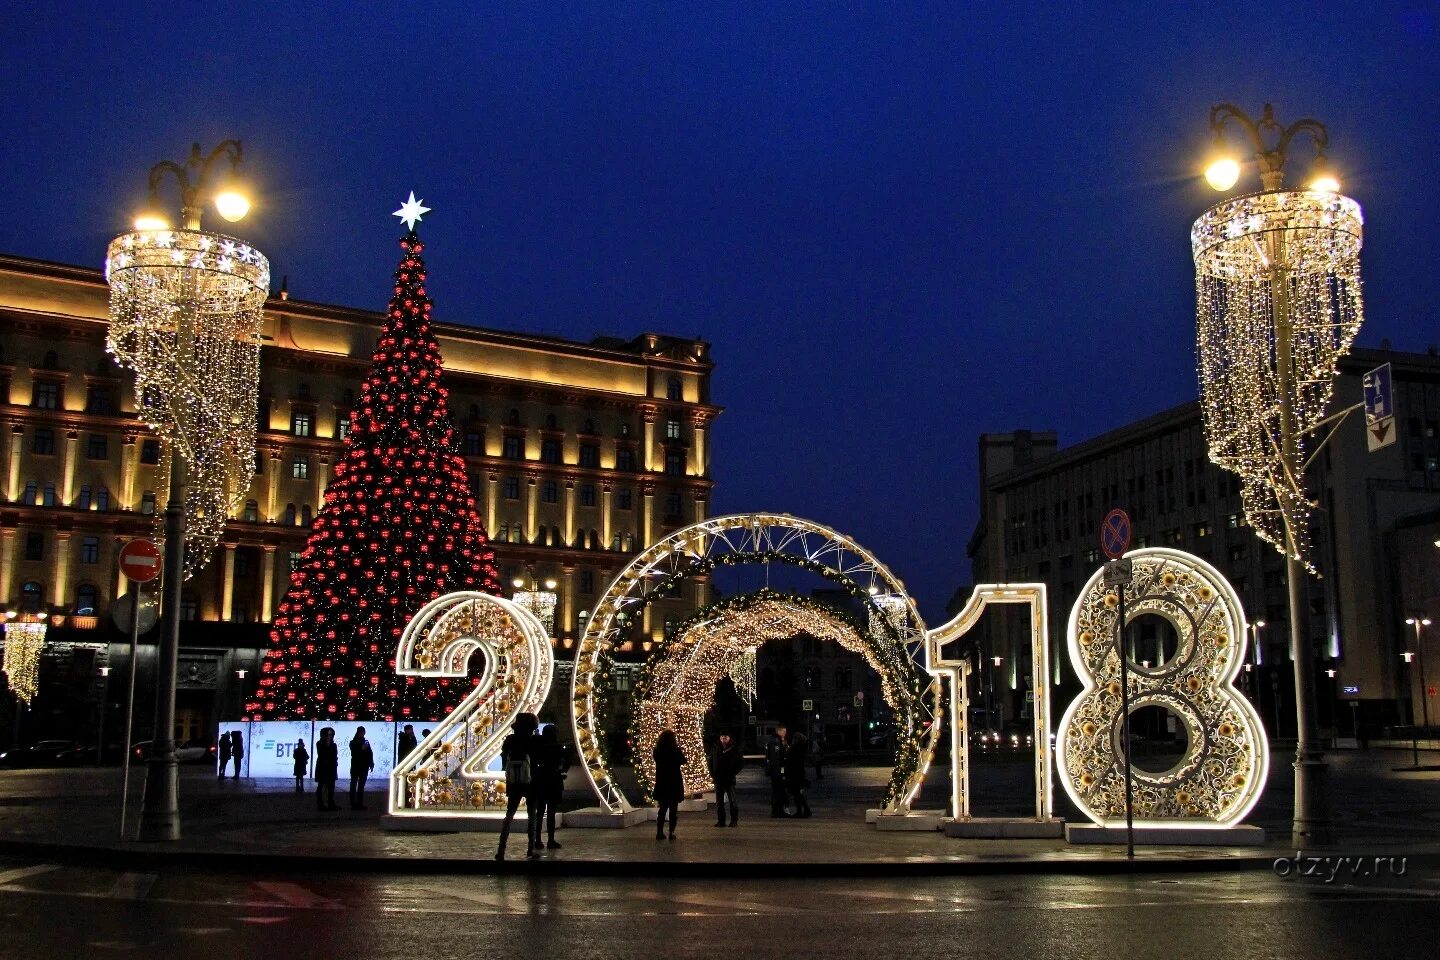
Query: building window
point(147, 502)
point(32, 597)
point(842, 678)
point(674, 463)
point(550, 451)
point(102, 499)
point(587, 494)
point(1173, 536)
point(100, 400)
point(34, 545)
point(474, 445)
point(300, 421)
point(672, 429)
point(300, 468)
point(28, 497)
point(623, 498)
point(674, 390)
point(48, 497)
point(1202, 529)
point(289, 514)
point(1237, 552)
point(342, 428)
point(550, 492)
point(514, 448)
point(672, 506)
point(503, 535)
point(587, 583)
point(551, 423)
point(98, 447)
point(305, 515)
point(86, 599)
point(512, 488)
point(294, 560)
point(189, 607)
point(252, 512)
point(90, 550)
point(589, 455)
point(150, 452)
point(624, 459)
point(43, 441)
point(47, 396)
point(85, 499)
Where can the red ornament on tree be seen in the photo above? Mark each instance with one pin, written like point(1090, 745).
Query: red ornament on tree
point(383, 455)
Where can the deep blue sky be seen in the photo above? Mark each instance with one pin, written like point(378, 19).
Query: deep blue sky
point(901, 224)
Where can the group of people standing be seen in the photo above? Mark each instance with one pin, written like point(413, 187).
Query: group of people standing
point(327, 768)
point(786, 756)
point(535, 764)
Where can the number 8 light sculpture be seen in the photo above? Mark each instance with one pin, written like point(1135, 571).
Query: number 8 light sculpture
point(449, 772)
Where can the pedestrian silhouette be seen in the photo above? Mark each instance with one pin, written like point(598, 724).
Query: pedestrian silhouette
point(518, 754)
point(224, 755)
point(795, 781)
point(407, 742)
point(724, 768)
point(327, 769)
point(237, 750)
point(550, 788)
point(669, 782)
point(302, 765)
point(775, 770)
point(362, 761)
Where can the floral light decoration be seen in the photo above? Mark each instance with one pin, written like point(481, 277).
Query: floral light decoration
point(1277, 283)
point(186, 308)
point(24, 643)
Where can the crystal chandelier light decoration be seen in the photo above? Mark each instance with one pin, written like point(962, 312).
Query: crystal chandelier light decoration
point(185, 315)
point(1277, 282)
point(541, 603)
point(24, 642)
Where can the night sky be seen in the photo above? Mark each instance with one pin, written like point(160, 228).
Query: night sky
point(900, 224)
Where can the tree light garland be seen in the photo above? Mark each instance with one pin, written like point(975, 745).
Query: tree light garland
point(185, 314)
point(1276, 274)
point(24, 642)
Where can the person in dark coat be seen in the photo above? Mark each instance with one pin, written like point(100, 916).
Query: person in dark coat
point(669, 781)
point(407, 742)
point(302, 764)
point(775, 770)
point(550, 787)
point(224, 755)
point(237, 750)
point(519, 754)
point(362, 761)
point(327, 769)
point(795, 781)
point(724, 768)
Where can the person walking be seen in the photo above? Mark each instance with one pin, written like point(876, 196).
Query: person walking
point(518, 754)
point(407, 742)
point(237, 751)
point(550, 787)
point(724, 769)
point(775, 770)
point(795, 781)
point(327, 769)
point(224, 755)
point(362, 761)
point(669, 781)
point(302, 764)
point(817, 750)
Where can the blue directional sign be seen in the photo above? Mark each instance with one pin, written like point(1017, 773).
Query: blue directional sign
point(1379, 408)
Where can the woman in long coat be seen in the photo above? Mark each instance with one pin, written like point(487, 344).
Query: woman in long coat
point(669, 781)
point(327, 769)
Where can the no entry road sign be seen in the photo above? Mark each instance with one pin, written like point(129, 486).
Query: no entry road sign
point(140, 561)
point(1115, 534)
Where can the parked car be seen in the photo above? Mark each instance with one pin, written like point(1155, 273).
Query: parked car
point(45, 753)
point(191, 751)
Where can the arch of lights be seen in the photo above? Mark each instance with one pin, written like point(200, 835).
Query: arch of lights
point(752, 538)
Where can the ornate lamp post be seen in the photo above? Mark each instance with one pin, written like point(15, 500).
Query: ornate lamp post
point(1277, 279)
point(541, 602)
point(185, 314)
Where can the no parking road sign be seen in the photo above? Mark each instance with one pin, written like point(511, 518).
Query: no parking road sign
point(140, 561)
point(1115, 534)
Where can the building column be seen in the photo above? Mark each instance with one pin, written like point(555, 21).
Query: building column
point(648, 415)
point(569, 513)
point(62, 568)
point(322, 480)
point(490, 504)
point(67, 469)
point(227, 583)
point(12, 473)
point(129, 461)
point(698, 450)
point(7, 567)
point(606, 521)
point(647, 515)
point(272, 483)
point(532, 507)
point(567, 599)
point(267, 581)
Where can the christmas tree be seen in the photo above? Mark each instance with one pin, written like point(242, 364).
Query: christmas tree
point(398, 529)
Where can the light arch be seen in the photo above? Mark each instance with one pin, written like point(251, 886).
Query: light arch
point(758, 539)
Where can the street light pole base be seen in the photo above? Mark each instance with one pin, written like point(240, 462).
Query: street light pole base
point(160, 815)
point(1312, 826)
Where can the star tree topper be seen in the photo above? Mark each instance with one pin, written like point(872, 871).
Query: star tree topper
point(411, 211)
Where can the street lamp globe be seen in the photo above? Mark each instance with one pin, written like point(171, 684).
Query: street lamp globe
point(1222, 173)
point(152, 215)
point(232, 205)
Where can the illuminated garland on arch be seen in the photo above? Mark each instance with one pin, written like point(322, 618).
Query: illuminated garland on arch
point(689, 662)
